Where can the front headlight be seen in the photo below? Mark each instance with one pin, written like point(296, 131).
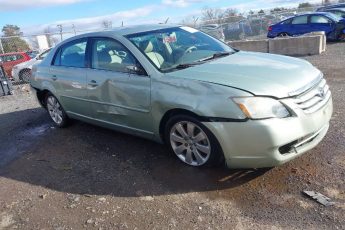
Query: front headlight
point(261, 107)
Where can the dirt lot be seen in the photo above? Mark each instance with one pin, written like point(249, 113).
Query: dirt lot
point(93, 178)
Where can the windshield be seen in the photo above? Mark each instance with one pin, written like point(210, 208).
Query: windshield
point(170, 48)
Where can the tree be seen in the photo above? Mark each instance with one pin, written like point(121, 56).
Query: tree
point(211, 15)
point(11, 40)
point(261, 12)
point(107, 24)
point(304, 5)
point(326, 2)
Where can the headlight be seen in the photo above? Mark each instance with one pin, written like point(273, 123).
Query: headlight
point(261, 107)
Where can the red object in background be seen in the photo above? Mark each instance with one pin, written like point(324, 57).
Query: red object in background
point(9, 60)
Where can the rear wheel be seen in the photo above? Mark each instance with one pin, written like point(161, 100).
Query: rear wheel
point(25, 75)
point(283, 34)
point(192, 142)
point(56, 112)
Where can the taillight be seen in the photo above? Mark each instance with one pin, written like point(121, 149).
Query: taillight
point(270, 28)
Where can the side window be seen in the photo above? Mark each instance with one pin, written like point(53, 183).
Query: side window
point(108, 54)
point(19, 56)
point(319, 20)
point(300, 20)
point(71, 55)
point(287, 22)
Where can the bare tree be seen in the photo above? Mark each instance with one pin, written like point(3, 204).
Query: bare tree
point(212, 15)
point(107, 24)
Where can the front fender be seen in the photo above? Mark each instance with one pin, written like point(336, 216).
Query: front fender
point(202, 98)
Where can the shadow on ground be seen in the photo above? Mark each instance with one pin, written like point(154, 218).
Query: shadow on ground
point(85, 159)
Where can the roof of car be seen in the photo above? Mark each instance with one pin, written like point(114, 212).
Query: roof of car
point(123, 31)
point(12, 53)
point(140, 28)
point(335, 9)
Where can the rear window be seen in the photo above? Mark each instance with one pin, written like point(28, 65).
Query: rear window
point(300, 20)
point(11, 57)
point(71, 54)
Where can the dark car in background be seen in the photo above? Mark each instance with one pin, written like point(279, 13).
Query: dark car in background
point(331, 24)
point(9, 60)
point(237, 30)
point(338, 11)
point(321, 9)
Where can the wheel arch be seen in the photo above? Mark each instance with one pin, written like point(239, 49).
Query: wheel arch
point(174, 112)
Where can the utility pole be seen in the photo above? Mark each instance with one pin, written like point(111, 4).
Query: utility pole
point(60, 30)
point(75, 32)
point(1, 47)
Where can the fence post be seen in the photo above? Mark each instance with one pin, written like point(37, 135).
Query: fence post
point(1, 47)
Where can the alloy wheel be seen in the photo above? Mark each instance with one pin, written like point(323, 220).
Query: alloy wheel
point(55, 110)
point(190, 143)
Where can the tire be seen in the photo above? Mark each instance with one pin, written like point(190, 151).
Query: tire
point(55, 111)
point(25, 75)
point(283, 35)
point(192, 142)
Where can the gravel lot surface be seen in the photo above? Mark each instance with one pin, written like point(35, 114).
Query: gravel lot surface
point(93, 178)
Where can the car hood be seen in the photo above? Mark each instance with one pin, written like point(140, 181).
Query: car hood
point(259, 73)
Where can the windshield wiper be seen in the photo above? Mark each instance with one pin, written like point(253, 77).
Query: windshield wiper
point(216, 55)
point(183, 66)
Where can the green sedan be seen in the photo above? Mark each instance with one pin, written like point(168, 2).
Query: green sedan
point(211, 104)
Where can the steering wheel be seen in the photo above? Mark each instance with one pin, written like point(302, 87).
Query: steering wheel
point(190, 49)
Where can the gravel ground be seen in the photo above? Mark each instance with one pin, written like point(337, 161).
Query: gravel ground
point(94, 178)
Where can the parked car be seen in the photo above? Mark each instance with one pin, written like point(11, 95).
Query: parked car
point(11, 59)
point(179, 86)
point(237, 30)
point(331, 24)
point(338, 11)
point(333, 6)
point(22, 71)
point(214, 30)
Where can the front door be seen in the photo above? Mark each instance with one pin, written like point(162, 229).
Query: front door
point(321, 23)
point(118, 88)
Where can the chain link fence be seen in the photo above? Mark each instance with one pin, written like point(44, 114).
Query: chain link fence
point(250, 27)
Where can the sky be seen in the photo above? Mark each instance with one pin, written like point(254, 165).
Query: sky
point(33, 16)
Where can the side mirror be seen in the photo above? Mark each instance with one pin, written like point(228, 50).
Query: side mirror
point(133, 69)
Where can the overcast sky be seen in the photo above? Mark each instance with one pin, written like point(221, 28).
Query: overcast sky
point(35, 15)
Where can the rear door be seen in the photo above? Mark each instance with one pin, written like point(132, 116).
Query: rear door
point(321, 23)
point(299, 25)
point(118, 95)
point(68, 77)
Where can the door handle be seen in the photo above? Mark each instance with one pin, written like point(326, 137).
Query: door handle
point(54, 78)
point(93, 83)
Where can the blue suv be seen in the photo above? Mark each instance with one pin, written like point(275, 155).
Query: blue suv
point(331, 24)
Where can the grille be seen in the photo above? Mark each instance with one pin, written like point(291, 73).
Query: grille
point(315, 98)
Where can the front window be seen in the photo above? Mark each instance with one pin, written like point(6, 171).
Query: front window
point(319, 20)
point(169, 49)
point(108, 54)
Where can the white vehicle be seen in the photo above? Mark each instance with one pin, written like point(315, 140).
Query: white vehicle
point(214, 30)
point(22, 71)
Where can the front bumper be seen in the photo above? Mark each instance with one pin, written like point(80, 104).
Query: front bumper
point(271, 142)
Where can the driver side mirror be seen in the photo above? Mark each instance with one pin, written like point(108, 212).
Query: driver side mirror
point(135, 69)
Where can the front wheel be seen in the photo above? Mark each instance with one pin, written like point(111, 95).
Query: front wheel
point(56, 112)
point(192, 142)
point(25, 75)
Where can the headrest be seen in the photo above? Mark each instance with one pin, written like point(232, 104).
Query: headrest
point(146, 46)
